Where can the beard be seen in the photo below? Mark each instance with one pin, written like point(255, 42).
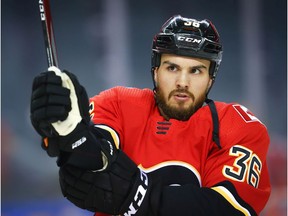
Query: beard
point(180, 113)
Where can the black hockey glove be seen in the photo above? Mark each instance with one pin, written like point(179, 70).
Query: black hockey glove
point(119, 188)
point(60, 114)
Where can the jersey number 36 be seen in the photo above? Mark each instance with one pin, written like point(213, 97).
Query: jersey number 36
point(246, 167)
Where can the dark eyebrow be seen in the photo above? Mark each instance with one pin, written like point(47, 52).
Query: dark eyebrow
point(200, 66)
point(170, 63)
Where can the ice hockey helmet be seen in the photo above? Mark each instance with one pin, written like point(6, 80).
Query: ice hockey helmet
point(188, 37)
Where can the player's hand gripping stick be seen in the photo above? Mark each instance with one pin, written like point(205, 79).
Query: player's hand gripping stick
point(60, 114)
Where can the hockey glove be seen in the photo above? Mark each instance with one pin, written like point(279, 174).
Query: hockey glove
point(60, 114)
point(58, 103)
point(119, 188)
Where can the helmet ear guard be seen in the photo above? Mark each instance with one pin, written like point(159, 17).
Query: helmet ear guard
point(155, 59)
point(155, 62)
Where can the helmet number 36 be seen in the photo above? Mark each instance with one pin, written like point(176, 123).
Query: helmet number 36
point(192, 23)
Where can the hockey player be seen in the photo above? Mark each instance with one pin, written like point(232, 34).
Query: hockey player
point(166, 151)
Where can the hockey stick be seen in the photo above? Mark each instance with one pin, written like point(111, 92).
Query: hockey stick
point(46, 20)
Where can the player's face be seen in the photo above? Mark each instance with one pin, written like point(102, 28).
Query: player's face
point(182, 84)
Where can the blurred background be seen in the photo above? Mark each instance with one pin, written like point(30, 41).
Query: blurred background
point(108, 43)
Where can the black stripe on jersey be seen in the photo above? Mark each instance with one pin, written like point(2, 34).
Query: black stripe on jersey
point(230, 187)
point(163, 127)
point(215, 119)
point(164, 123)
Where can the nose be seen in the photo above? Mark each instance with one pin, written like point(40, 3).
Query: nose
point(182, 80)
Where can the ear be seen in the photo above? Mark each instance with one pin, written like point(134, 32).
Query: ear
point(210, 83)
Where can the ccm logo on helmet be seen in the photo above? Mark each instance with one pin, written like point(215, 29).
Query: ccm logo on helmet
point(139, 195)
point(190, 40)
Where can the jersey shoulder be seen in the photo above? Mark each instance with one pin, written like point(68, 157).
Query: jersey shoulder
point(239, 125)
point(116, 106)
point(124, 94)
point(237, 115)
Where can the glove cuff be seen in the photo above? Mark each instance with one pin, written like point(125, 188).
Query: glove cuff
point(83, 146)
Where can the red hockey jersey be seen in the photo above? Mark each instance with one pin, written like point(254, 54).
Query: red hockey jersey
point(183, 151)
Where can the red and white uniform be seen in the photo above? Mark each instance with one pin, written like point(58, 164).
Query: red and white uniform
point(183, 152)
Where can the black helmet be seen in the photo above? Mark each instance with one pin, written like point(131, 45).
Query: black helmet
point(188, 37)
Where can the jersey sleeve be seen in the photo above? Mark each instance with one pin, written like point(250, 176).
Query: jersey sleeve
point(105, 113)
point(238, 171)
point(116, 109)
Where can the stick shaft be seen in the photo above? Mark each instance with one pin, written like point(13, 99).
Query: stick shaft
point(50, 45)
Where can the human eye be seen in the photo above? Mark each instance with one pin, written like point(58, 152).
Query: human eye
point(172, 68)
point(196, 71)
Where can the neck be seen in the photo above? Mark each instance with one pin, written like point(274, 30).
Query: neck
point(163, 114)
